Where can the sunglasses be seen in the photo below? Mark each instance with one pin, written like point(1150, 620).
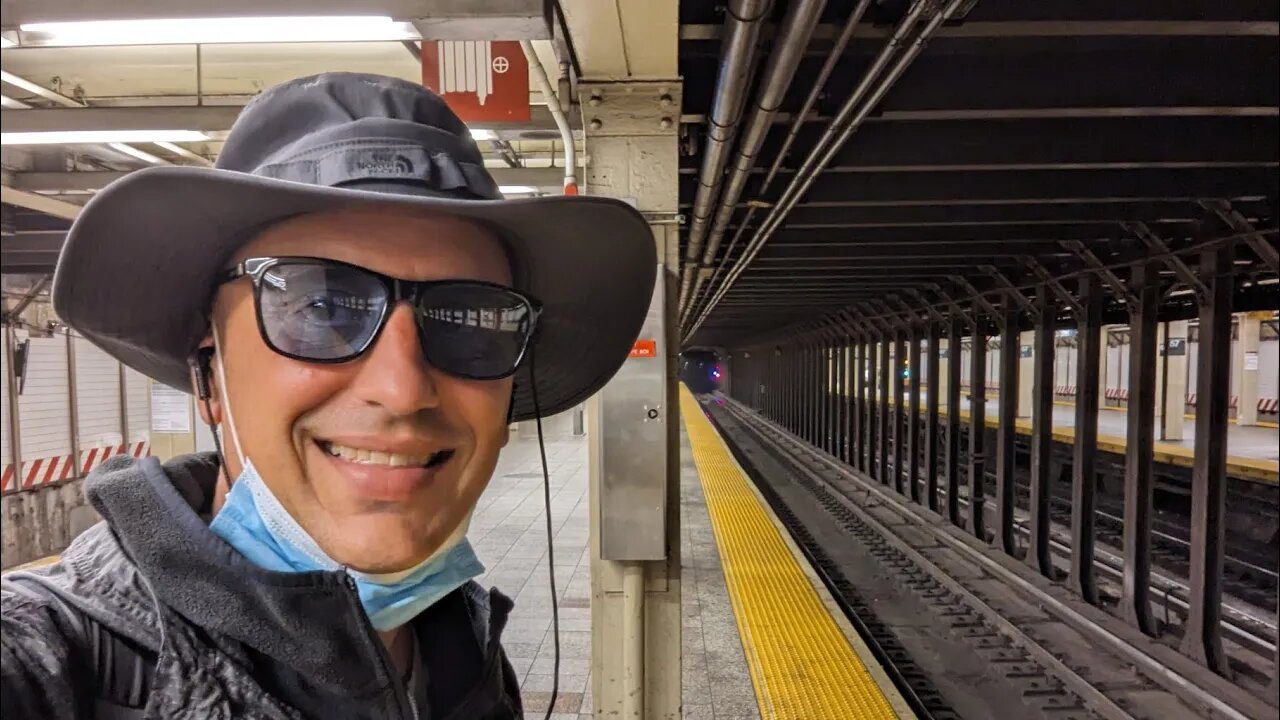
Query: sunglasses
point(325, 311)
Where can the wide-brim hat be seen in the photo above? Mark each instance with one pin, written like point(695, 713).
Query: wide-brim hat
point(138, 271)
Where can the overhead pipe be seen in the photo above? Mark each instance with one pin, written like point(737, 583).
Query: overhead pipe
point(557, 113)
point(738, 59)
point(905, 26)
point(833, 139)
point(798, 28)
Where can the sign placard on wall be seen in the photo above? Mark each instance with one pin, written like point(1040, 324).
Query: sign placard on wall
point(1024, 351)
point(1251, 361)
point(1176, 346)
point(481, 80)
point(170, 409)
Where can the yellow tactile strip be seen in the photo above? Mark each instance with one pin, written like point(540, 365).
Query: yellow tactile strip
point(801, 664)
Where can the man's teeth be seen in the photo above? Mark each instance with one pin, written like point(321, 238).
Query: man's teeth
point(375, 457)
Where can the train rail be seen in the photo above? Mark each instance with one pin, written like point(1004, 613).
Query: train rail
point(1062, 658)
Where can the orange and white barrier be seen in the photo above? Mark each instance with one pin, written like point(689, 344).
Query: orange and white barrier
point(46, 470)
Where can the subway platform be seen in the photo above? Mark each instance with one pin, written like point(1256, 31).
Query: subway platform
point(761, 636)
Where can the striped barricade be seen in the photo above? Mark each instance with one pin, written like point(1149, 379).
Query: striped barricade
point(45, 470)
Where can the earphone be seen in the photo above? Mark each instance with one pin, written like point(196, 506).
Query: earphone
point(200, 362)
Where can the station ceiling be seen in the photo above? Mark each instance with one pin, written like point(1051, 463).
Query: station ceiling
point(1020, 128)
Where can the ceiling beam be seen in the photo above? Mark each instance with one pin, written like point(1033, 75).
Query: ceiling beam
point(39, 203)
point(204, 118)
point(1031, 29)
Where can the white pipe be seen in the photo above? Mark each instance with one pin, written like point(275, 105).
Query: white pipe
point(633, 641)
point(562, 122)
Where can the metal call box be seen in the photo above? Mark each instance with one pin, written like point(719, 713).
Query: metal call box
point(633, 446)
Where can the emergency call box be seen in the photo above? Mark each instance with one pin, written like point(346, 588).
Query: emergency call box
point(634, 425)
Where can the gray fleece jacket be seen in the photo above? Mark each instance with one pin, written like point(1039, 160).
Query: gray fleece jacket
point(150, 615)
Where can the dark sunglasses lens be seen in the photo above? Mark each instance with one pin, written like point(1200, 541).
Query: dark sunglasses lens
point(320, 312)
point(474, 331)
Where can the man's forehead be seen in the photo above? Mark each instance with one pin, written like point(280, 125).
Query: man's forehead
point(410, 244)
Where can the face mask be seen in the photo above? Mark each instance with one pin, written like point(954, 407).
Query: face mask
point(255, 523)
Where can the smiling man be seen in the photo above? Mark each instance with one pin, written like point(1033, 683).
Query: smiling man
point(360, 316)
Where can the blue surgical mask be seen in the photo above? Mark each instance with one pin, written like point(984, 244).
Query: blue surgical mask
point(254, 522)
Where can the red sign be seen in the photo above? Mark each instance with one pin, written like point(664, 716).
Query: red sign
point(482, 80)
point(644, 349)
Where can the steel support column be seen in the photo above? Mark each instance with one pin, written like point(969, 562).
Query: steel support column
point(850, 407)
point(978, 431)
point(873, 405)
point(1083, 478)
point(931, 438)
point(837, 398)
point(952, 457)
point(899, 410)
point(1203, 637)
point(1006, 429)
point(860, 403)
point(913, 417)
point(1038, 549)
point(1140, 445)
point(886, 410)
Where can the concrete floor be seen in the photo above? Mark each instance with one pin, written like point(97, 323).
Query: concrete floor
point(509, 534)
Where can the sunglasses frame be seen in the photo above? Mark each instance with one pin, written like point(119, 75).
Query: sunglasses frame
point(398, 291)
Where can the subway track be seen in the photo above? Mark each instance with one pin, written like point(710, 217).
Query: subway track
point(968, 632)
point(1249, 586)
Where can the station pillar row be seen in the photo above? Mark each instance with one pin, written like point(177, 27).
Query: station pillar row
point(1247, 363)
point(631, 137)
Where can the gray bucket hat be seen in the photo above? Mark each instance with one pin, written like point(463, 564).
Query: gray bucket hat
point(137, 273)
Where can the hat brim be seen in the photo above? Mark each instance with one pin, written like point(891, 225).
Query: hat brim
point(137, 270)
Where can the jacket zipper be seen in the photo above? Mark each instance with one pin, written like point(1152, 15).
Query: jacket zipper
point(403, 708)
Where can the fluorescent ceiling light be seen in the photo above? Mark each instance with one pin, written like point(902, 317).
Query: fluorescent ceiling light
point(74, 137)
point(5, 42)
point(517, 189)
point(136, 153)
point(219, 30)
point(6, 101)
point(481, 134)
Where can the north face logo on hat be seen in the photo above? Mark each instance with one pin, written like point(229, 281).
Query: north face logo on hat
point(383, 163)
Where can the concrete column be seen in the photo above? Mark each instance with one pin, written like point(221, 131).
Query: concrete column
point(1250, 326)
point(631, 139)
point(1026, 372)
point(1171, 379)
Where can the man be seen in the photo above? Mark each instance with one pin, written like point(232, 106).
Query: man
point(360, 317)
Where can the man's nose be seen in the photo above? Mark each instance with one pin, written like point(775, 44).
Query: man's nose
point(394, 374)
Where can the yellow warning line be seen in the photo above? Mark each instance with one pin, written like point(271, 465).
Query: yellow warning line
point(801, 663)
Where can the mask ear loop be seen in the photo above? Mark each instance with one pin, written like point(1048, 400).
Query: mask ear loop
point(551, 558)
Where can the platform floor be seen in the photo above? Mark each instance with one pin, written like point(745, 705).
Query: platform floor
point(1253, 452)
point(508, 532)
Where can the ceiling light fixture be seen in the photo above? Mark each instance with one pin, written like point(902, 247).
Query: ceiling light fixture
point(189, 31)
point(136, 153)
point(6, 101)
point(5, 42)
point(76, 137)
point(479, 134)
point(517, 189)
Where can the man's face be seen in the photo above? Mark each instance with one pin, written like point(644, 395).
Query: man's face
point(292, 416)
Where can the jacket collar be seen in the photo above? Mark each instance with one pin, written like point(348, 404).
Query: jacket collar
point(312, 622)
